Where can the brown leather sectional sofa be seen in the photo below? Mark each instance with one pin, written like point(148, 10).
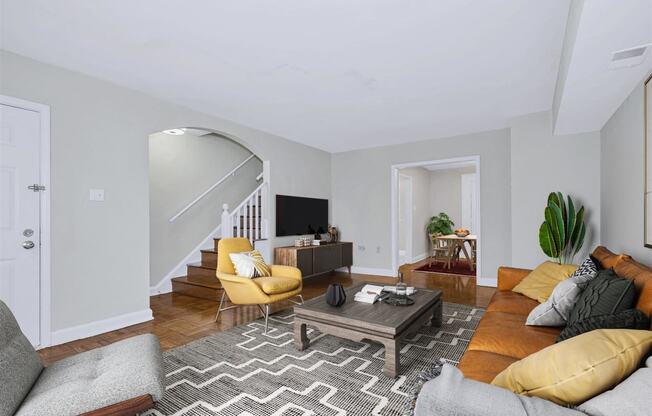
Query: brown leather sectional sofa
point(502, 336)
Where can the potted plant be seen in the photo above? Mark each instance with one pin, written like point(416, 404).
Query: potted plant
point(562, 233)
point(440, 224)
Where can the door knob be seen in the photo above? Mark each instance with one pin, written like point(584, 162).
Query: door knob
point(28, 244)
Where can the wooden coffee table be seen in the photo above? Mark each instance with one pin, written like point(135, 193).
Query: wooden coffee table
point(359, 321)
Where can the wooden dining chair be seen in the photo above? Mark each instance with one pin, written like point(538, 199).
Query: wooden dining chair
point(442, 251)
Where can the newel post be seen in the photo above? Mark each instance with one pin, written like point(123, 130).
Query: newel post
point(227, 227)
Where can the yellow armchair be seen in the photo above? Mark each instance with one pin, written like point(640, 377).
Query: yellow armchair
point(285, 282)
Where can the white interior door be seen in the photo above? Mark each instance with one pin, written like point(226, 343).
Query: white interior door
point(20, 217)
point(468, 202)
point(405, 206)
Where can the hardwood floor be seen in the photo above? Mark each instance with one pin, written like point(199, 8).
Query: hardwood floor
point(179, 319)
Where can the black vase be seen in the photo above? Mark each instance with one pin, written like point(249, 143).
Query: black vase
point(335, 295)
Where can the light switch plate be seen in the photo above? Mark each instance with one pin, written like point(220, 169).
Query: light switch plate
point(96, 195)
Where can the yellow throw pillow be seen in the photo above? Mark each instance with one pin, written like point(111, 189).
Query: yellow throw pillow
point(541, 281)
point(250, 264)
point(574, 370)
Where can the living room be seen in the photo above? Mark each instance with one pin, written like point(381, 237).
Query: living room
point(322, 104)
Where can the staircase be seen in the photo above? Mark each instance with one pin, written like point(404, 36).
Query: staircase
point(200, 280)
point(246, 220)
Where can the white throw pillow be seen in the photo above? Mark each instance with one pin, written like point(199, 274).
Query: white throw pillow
point(556, 310)
point(250, 264)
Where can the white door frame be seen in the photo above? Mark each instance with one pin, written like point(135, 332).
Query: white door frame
point(460, 161)
point(45, 251)
point(408, 221)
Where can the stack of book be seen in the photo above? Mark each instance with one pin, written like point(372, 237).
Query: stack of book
point(368, 294)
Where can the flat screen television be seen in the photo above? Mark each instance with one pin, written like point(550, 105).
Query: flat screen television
point(298, 216)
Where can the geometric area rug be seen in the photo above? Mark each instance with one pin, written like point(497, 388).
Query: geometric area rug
point(244, 372)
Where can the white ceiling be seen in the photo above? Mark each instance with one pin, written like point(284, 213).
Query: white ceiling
point(592, 90)
point(334, 74)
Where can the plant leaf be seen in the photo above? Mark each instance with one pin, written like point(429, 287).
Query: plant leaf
point(546, 241)
point(579, 222)
point(580, 239)
point(570, 224)
point(557, 226)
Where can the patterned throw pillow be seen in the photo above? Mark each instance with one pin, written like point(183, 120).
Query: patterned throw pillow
point(627, 319)
point(250, 264)
point(607, 294)
point(556, 310)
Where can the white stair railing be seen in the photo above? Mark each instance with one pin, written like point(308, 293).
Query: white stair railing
point(248, 219)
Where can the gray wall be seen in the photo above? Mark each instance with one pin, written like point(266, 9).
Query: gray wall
point(99, 139)
point(420, 209)
point(446, 193)
point(542, 163)
point(622, 179)
point(180, 168)
point(361, 193)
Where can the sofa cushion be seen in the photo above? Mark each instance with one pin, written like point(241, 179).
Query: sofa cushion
point(450, 394)
point(20, 365)
point(632, 397)
point(511, 302)
point(579, 368)
point(273, 285)
point(538, 285)
point(607, 294)
point(607, 259)
point(483, 366)
point(628, 319)
point(506, 334)
point(98, 378)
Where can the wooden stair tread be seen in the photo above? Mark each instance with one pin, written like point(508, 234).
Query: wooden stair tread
point(184, 279)
point(209, 250)
point(202, 266)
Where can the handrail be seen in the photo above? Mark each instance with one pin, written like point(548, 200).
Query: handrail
point(206, 192)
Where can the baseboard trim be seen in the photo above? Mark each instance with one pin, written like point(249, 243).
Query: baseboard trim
point(370, 270)
point(99, 327)
point(419, 257)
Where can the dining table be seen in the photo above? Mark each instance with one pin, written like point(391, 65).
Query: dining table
point(455, 242)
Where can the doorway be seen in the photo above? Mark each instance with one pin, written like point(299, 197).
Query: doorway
point(25, 215)
point(449, 186)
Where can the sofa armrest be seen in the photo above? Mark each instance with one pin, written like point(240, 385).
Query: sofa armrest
point(509, 277)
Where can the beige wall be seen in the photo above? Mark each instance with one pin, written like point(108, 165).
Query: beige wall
point(542, 163)
point(99, 139)
point(361, 193)
point(622, 179)
point(180, 168)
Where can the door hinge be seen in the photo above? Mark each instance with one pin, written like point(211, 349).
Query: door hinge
point(36, 187)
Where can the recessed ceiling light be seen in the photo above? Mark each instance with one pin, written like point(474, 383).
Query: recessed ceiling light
point(174, 132)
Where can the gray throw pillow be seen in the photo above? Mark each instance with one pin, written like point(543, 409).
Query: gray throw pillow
point(632, 397)
point(606, 294)
point(450, 394)
point(556, 310)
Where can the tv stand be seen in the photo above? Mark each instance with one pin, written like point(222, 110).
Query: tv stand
point(314, 260)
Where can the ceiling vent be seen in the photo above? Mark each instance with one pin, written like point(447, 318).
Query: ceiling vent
point(629, 57)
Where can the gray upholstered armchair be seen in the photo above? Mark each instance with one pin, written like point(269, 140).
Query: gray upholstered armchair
point(122, 378)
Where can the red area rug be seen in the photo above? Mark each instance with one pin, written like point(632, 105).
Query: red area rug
point(461, 267)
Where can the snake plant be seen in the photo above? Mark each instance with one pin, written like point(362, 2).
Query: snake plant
point(562, 233)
